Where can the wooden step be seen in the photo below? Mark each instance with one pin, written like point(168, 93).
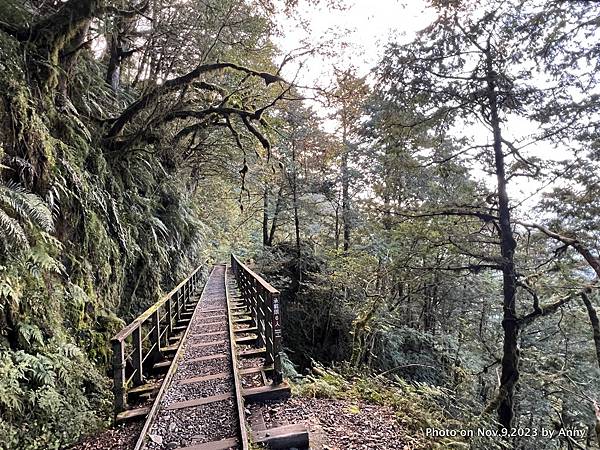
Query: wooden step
point(175, 338)
point(243, 320)
point(223, 444)
point(132, 414)
point(252, 370)
point(179, 328)
point(287, 436)
point(268, 392)
point(170, 348)
point(162, 365)
point(252, 352)
point(246, 330)
point(246, 339)
point(144, 388)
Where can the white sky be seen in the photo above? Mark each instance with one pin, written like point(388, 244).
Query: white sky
point(363, 27)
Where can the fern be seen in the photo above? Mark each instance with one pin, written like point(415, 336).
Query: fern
point(30, 334)
point(12, 229)
point(17, 209)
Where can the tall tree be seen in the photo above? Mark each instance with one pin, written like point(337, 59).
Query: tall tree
point(348, 99)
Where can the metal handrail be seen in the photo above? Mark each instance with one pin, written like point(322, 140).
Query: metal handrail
point(130, 358)
point(262, 300)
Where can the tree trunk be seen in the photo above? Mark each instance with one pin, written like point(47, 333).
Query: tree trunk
point(54, 32)
point(337, 225)
point(510, 324)
point(265, 221)
point(113, 70)
point(275, 216)
point(68, 62)
point(294, 188)
point(595, 323)
point(345, 196)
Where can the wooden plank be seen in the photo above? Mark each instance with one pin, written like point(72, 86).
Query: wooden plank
point(246, 320)
point(175, 338)
point(269, 392)
point(246, 339)
point(216, 376)
point(252, 370)
point(132, 414)
point(199, 401)
point(251, 353)
point(286, 436)
point(162, 364)
point(144, 388)
point(223, 444)
point(170, 348)
point(246, 330)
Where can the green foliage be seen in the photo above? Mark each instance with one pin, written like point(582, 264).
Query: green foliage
point(46, 400)
point(19, 212)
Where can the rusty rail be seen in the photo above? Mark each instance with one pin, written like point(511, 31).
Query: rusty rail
point(262, 300)
point(138, 346)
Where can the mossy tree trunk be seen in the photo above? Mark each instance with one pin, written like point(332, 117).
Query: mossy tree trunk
point(52, 35)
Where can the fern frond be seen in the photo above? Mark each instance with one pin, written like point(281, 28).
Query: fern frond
point(27, 206)
point(12, 232)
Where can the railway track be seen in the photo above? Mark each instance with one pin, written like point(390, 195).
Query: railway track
point(200, 404)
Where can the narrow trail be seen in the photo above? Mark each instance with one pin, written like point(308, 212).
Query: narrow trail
point(200, 405)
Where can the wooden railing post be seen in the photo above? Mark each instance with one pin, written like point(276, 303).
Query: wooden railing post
point(169, 305)
point(136, 357)
point(119, 376)
point(269, 355)
point(278, 373)
point(155, 335)
point(178, 303)
point(261, 300)
point(254, 299)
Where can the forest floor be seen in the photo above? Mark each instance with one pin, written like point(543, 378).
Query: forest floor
point(340, 424)
point(120, 437)
point(333, 425)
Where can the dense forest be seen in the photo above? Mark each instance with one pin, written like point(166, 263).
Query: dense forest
point(431, 222)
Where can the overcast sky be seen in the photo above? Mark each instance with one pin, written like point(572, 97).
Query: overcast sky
point(364, 26)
